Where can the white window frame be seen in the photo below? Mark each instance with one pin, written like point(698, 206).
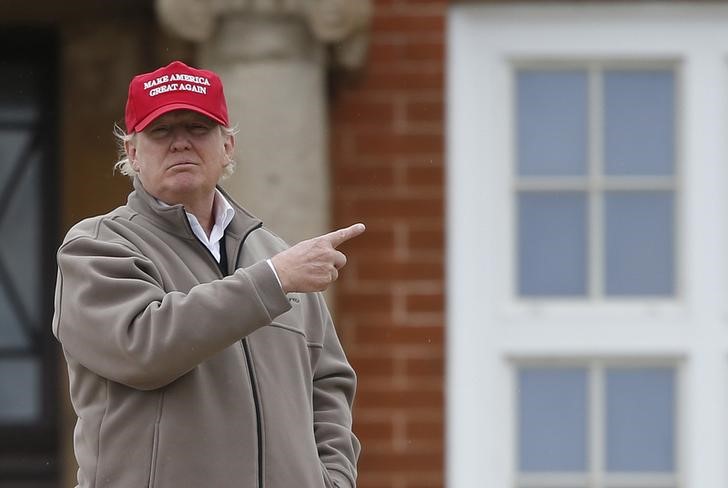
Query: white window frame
point(596, 475)
point(487, 325)
point(595, 183)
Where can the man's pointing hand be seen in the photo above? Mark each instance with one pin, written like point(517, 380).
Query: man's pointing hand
point(314, 264)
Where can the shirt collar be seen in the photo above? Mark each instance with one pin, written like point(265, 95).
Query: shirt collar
point(223, 212)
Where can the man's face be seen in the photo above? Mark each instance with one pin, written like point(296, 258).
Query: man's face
point(180, 156)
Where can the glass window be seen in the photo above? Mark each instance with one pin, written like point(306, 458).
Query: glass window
point(595, 182)
point(552, 248)
point(639, 243)
point(20, 390)
point(607, 422)
point(552, 123)
point(553, 419)
point(639, 122)
point(28, 239)
point(640, 420)
point(21, 300)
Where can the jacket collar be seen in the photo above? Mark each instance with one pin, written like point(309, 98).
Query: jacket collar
point(173, 218)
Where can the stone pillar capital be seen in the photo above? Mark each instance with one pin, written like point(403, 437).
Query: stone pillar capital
point(342, 25)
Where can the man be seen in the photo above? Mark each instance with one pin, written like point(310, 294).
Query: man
point(198, 353)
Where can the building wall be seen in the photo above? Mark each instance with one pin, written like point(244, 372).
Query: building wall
point(387, 163)
point(387, 156)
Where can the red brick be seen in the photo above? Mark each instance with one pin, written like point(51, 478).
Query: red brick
point(398, 144)
point(394, 207)
point(386, 21)
point(424, 239)
point(372, 479)
point(410, 335)
point(431, 302)
point(373, 429)
point(351, 303)
point(424, 429)
point(429, 175)
point(425, 111)
point(402, 462)
point(341, 145)
point(392, 269)
point(432, 366)
point(371, 317)
point(413, 82)
point(372, 366)
point(432, 479)
point(385, 51)
point(387, 398)
point(364, 176)
point(424, 51)
point(362, 112)
point(375, 238)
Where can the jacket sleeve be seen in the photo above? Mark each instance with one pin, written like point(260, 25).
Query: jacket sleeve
point(334, 385)
point(113, 316)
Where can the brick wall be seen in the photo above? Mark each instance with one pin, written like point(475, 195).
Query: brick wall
point(387, 152)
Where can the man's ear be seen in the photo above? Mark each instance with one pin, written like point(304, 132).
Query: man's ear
point(229, 146)
point(130, 149)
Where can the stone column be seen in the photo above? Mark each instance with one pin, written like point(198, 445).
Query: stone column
point(272, 56)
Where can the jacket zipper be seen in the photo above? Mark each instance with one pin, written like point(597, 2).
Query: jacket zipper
point(256, 402)
point(246, 351)
point(251, 374)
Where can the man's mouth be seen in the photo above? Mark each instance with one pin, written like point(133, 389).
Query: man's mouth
point(182, 163)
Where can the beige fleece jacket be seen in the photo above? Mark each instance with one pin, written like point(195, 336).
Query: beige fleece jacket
point(183, 377)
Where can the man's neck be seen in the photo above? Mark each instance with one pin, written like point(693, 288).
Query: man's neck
point(202, 208)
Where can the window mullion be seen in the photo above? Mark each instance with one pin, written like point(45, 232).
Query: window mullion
point(597, 439)
point(595, 261)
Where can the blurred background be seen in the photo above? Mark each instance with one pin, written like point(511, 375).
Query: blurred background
point(539, 298)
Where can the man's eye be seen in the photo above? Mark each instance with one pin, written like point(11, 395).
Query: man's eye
point(199, 128)
point(160, 130)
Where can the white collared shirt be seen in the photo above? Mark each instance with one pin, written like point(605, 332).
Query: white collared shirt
point(224, 213)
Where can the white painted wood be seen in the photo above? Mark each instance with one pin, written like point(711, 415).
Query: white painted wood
point(489, 328)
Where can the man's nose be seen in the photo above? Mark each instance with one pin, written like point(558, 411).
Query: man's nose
point(180, 138)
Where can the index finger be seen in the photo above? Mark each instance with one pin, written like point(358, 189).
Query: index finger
point(340, 236)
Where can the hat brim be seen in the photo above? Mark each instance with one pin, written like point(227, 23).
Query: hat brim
point(159, 111)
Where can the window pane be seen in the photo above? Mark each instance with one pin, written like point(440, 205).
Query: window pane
point(640, 419)
point(552, 122)
point(19, 390)
point(640, 243)
point(20, 229)
point(19, 96)
point(552, 244)
point(11, 333)
point(552, 419)
point(12, 143)
point(639, 109)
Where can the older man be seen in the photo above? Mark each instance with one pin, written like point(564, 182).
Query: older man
point(198, 352)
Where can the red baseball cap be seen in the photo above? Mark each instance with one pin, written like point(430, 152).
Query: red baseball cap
point(174, 87)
